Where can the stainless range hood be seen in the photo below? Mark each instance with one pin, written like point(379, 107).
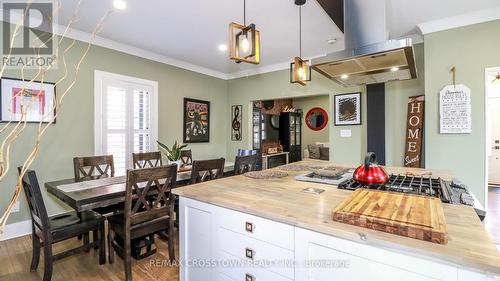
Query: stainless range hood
point(369, 56)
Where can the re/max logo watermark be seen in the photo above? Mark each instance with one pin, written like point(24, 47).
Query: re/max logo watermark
point(28, 39)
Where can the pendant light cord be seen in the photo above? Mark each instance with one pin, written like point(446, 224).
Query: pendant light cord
point(300, 32)
point(245, 12)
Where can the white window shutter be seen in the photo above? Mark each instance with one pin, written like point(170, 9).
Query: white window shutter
point(128, 119)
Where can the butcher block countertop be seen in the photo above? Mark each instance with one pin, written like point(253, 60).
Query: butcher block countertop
point(469, 245)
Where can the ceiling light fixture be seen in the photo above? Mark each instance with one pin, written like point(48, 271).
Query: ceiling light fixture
point(394, 69)
point(300, 70)
point(344, 77)
point(244, 41)
point(222, 47)
point(120, 4)
point(331, 41)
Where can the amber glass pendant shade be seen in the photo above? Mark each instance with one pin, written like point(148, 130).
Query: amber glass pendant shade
point(300, 71)
point(244, 43)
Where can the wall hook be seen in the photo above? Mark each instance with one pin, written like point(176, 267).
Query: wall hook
point(454, 72)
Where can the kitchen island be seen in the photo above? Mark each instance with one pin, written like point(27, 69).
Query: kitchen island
point(239, 228)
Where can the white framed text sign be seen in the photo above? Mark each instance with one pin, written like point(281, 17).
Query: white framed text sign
point(455, 110)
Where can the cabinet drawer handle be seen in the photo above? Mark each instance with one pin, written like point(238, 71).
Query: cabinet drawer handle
point(249, 227)
point(249, 253)
point(250, 277)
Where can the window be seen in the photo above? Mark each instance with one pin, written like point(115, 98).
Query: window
point(125, 117)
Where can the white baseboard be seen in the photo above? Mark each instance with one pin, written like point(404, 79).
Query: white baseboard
point(15, 230)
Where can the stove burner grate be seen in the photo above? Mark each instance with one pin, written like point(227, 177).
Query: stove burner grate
point(426, 186)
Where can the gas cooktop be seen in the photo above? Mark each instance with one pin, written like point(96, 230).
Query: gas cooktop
point(449, 192)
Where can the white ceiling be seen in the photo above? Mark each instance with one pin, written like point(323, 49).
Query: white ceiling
point(191, 30)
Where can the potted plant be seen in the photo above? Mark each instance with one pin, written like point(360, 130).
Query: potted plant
point(173, 154)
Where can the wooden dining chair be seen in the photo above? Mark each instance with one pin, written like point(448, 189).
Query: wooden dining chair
point(93, 167)
point(247, 163)
point(143, 160)
point(140, 216)
point(247, 152)
point(186, 157)
point(47, 231)
point(206, 170)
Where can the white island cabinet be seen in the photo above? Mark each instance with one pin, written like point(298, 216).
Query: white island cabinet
point(220, 244)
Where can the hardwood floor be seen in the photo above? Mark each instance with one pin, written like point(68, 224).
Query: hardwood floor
point(15, 259)
point(492, 221)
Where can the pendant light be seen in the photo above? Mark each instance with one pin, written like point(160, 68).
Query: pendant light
point(300, 70)
point(244, 41)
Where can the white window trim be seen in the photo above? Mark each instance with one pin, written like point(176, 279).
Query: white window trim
point(99, 76)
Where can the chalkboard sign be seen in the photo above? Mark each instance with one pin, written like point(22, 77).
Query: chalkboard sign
point(455, 110)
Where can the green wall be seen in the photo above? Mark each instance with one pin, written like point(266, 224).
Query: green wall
point(310, 136)
point(352, 150)
point(277, 85)
point(73, 135)
point(396, 101)
point(470, 49)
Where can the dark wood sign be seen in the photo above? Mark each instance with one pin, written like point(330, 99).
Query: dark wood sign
point(414, 132)
point(274, 107)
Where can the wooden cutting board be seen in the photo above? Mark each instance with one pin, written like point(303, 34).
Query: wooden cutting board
point(414, 216)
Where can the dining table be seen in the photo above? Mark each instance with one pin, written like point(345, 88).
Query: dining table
point(104, 192)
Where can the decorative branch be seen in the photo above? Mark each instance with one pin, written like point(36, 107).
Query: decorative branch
point(42, 128)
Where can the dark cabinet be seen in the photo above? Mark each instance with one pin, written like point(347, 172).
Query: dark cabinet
point(291, 135)
point(257, 129)
point(276, 161)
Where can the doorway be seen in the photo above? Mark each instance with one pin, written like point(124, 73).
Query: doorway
point(492, 88)
point(493, 126)
point(284, 129)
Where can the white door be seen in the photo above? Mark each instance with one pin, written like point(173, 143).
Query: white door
point(494, 130)
point(125, 118)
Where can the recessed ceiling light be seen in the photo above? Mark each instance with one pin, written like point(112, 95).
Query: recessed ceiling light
point(222, 47)
point(332, 41)
point(120, 4)
point(344, 77)
point(394, 69)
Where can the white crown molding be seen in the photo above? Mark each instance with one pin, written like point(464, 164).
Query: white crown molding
point(15, 230)
point(265, 69)
point(460, 20)
point(259, 70)
point(416, 38)
point(129, 49)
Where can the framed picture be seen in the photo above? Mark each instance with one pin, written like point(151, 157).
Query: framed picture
point(347, 109)
point(236, 112)
point(196, 121)
point(36, 99)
